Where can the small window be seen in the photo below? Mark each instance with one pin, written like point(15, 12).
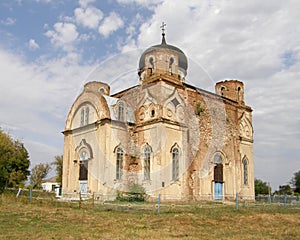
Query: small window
point(121, 111)
point(151, 61)
point(222, 90)
point(171, 61)
point(152, 113)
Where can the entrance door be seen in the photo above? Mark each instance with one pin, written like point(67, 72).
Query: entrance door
point(83, 175)
point(218, 179)
point(218, 191)
point(83, 188)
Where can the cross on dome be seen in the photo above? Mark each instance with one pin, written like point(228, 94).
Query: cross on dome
point(163, 27)
point(163, 32)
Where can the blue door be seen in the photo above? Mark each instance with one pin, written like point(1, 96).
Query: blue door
point(218, 191)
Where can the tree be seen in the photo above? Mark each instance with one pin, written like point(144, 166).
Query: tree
point(14, 162)
point(261, 187)
point(296, 182)
point(58, 167)
point(284, 190)
point(38, 174)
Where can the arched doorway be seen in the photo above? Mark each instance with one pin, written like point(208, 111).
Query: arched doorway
point(218, 178)
point(83, 174)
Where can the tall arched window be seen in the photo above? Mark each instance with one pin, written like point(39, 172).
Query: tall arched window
point(245, 170)
point(121, 111)
point(147, 155)
point(175, 164)
point(119, 163)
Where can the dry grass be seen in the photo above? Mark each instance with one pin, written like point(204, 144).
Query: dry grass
point(51, 220)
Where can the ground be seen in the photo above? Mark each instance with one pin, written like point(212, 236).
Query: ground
point(40, 219)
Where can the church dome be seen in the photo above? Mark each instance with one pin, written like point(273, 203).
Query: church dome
point(171, 57)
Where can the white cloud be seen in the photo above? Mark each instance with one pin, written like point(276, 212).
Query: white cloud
point(63, 35)
point(110, 24)
point(85, 3)
point(9, 21)
point(88, 17)
point(33, 45)
point(36, 99)
point(140, 2)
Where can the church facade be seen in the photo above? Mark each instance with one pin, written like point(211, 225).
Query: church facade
point(169, 137)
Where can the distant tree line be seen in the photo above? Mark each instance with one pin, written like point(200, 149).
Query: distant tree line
point(292, 188)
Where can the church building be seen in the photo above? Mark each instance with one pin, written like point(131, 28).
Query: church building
point(169, 137)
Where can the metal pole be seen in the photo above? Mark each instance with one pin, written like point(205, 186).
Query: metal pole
point(158, 204)
point(237, 201)
point(30, 194)
point(284, 201)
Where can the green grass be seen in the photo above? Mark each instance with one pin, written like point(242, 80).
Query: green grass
point(45, 219)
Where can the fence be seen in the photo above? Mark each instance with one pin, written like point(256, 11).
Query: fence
point(155, 205)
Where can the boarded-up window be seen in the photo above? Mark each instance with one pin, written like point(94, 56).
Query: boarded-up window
point(218, 173)
point(175, 164)
point(119, 163)
point(147, 155)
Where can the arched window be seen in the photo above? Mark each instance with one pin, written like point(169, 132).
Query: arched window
point(245, 170)
point(121, 111)
point(147, 155)
point(175, 164)
point(119, 163)
point(171, 61)
point(218, 159)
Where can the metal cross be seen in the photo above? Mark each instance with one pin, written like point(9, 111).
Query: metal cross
point(163, 27)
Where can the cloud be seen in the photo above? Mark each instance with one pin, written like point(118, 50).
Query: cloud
point(9, 21)
point(140, 2)
point(85, 3)
point(36, 98)
point(63, 35)
point(88, 17)
point(33, 45)
point(111, 24)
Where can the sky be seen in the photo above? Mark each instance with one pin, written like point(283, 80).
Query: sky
point(50, 48)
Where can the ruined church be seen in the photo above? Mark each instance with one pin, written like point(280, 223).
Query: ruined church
point(169, 137)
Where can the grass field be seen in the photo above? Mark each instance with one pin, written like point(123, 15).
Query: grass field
point(20, 219)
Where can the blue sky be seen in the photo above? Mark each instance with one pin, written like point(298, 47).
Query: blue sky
point(49, 48)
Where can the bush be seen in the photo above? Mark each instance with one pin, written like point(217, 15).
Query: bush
point(136, 193)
